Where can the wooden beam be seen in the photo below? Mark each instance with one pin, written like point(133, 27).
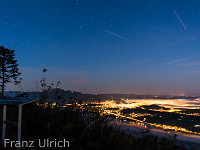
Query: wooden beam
point(4, 124)
point(19, 123)
point(30, 102)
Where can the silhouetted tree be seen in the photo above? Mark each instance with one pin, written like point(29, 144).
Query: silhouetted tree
point(43, 96)
point(8, 67)
point(43, 81)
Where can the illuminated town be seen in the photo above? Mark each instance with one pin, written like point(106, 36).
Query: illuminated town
point(180, 119)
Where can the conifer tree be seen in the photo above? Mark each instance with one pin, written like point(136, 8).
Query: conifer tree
point(8, 67)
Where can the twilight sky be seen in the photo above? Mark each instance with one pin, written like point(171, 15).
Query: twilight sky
point(106, 46)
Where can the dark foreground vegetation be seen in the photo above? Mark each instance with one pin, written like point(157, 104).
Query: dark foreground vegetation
point(84, 130)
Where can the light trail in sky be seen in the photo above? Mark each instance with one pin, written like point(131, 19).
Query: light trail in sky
point(115, 34)
point(180, 19)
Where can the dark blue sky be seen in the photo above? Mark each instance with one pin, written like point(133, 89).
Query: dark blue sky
point(106, 46)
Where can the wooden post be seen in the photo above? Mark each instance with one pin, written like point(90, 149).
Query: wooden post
point(4, 123)
point(19, 123)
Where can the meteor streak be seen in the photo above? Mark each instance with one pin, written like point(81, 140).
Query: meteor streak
point(180, 19)
point(115, 34)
